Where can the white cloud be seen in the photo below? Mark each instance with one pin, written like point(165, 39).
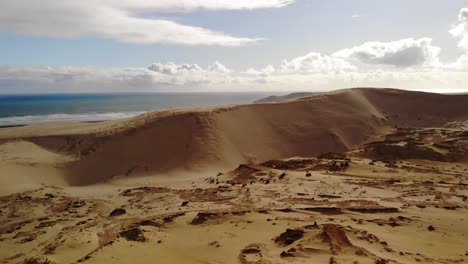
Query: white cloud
point(122, 20)
point(268, 70)
point(62, 77)
point(315, 62)
point(217, 77)
point(219, 68)
point(186, 74)
point(460, 64)
point(426, 80)
point(356, 16)
point(171, 68)
point(415, 65)
point(260, 75)
point(190, 5)
point(461, 29)
point(158, 76)
point(401, 53)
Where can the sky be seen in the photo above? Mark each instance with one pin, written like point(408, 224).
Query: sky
point(56, 46)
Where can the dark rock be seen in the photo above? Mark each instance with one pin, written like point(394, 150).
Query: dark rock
point(253, 249)
point(81, 223)
point(373, 210)
point(314, 226)
point(289, 236)
point(37, 260)
point(49, 195)
point(332, 155)
point(381, 261)
point(28, 239)
point(329, 196)
point(46, 224)
point(451, 207)
point(168, 219)
point(117, 212)
point(133, 234)
point(78, 204)
point(325, 210)
point(360, 252)
point(150, 223)
point(289, 164)
point(336, 236)
point(289, 253)
point(201, 218)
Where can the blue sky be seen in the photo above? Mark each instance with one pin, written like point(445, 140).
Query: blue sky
point(114, 52)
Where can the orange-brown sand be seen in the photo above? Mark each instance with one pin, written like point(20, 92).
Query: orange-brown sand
point(352, 176)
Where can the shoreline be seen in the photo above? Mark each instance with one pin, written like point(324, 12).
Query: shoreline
point(86, 122)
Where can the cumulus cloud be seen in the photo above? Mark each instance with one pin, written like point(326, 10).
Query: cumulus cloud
point(171, 68)
point(71, 76)
point(184, 74)
point(262, 75)
point(460, 64)
point(218, 68)
point(402, 53)
point(315, 62)
point(122, 20)
point(217, 77)
point(157, 76)
point(268, 70)
point(414, 65)
point(460, 31)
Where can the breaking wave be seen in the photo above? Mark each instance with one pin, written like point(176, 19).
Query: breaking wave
point(84, 117)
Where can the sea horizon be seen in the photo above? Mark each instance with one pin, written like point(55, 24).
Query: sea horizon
point(25, 109)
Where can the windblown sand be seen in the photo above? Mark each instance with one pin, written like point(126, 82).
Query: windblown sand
point(354, 176)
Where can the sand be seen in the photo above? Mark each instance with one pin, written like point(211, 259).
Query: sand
point(244, 184)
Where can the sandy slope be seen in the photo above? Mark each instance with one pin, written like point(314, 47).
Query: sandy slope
point(398, 195)
point(209, 139)
point(300, 210)
point(291, 96)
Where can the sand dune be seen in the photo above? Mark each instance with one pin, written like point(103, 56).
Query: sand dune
point(244, 184)
point(336, 208)
point(291, 96)
point(220, 138)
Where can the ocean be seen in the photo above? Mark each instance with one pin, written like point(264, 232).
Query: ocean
point(28, 109)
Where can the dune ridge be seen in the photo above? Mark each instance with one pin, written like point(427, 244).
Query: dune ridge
point(220, 138)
